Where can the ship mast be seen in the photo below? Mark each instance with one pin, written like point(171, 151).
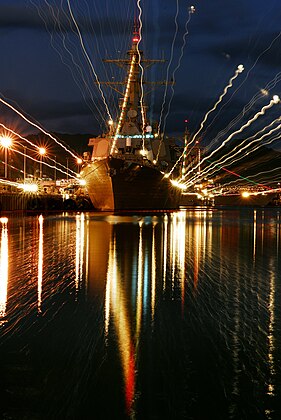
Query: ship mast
point(132, 116)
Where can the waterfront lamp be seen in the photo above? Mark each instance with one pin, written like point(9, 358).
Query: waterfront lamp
point(6, 142)
point(42, 152)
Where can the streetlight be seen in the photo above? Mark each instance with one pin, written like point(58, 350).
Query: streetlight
point(67, 169)
point(6, 142)
point(24, 163)
point(79, 162)
point(42, 152)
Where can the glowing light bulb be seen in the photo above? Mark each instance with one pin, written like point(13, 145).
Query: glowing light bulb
point(276, 99)
point(240, 68)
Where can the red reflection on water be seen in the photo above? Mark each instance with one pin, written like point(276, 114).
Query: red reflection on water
point(130, 380)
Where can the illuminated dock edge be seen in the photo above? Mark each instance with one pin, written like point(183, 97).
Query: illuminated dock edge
point(11, 202)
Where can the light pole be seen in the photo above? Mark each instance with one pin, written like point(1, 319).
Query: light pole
point(42, 152)
point(24, 163)
point(6, 142)
point(67, 169)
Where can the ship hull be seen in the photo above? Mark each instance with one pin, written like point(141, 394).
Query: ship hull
point(117, 184)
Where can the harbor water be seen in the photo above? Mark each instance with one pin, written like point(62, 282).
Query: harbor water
point(141, 316)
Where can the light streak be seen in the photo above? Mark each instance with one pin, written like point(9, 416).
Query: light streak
point(46, 164)
point(38, 127)
point(61, 30)
point(143, 116)
point(124, 103)
point(190, 12)
point(88, 59)
point(275, 100)
point(210, 170)
point(239, 70)
point(168, 68)
point(38, 148)
point(270, 85)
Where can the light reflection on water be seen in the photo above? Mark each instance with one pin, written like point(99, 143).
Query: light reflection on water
point(142, 316)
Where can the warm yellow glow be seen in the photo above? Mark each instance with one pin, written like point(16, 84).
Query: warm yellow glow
point(40, 263)
point(79, 161)
point(29, 187)
point(42, 151)
point(5, 141)
point(4, 269)
point(115, 303)
point(82, 182)
point(178, 184)
point(110, 122)
point(245, 194)
point(80, 235)
point(125, 101)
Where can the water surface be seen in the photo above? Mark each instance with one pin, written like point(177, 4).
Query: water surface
point(142, 316)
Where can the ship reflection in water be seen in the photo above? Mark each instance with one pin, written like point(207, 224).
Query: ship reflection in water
point(156, 316)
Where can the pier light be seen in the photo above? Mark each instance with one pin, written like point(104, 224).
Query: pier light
point(6, 142)
point(79, 162)
point(29, 188)
point(42, 152)
point(245, 194)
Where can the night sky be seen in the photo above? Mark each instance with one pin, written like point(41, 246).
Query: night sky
point(44, 72)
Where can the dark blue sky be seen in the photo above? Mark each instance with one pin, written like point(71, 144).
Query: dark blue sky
point(44, 71)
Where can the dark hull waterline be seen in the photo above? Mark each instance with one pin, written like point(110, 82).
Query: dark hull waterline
point(117, 184)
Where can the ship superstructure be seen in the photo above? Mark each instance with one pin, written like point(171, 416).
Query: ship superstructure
point(127, 167)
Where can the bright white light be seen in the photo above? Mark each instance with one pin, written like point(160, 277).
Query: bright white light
point(110, 122)
point(192, 9)
point(6, 141)
point(79, 161)
point(245, 194)
point(240, 68)
point(42, 150)
point(178, 184)
point(4, 220)
point(276, 99)
point(29, 187)
point(82, 182)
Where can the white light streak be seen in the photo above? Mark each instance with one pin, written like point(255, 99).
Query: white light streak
point(37, 126)
point(88, 59)
point(124, 103)
point(274, 101)
point(143, 116)
point(239, 70)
